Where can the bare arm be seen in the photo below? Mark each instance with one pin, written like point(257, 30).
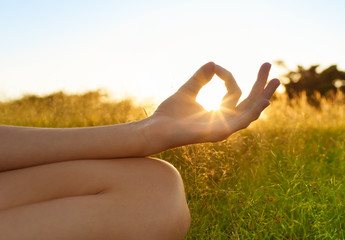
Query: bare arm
point(178, 121)
point(25, 146)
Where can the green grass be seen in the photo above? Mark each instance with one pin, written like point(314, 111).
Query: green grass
point(282, 178)
point(266, 188)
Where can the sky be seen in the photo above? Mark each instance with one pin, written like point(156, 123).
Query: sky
point(148, 49)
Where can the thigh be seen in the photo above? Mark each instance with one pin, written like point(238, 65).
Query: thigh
point(52, 181)
point(80, 217)
point(79, 178)
point(94, 199)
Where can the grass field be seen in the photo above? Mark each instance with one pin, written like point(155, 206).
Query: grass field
point(282, 178)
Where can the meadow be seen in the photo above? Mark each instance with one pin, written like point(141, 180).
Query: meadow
point(281, 178)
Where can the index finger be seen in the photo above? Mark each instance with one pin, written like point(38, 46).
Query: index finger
point(199, 79)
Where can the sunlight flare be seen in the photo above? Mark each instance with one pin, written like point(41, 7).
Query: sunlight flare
point(211, 95)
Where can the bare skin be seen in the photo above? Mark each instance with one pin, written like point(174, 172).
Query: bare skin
point(97, 182)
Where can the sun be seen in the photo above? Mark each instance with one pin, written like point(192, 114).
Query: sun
point(211, 95)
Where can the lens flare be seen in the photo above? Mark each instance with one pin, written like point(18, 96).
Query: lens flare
point(211, 95)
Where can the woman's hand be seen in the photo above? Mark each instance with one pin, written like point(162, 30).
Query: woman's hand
point(180, 120)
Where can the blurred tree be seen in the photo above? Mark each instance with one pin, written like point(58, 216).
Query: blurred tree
point(313, 82)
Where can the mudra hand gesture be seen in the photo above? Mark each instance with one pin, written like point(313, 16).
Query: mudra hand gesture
point(180, 120)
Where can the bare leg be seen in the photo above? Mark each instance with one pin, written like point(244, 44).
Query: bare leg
point(139, 198)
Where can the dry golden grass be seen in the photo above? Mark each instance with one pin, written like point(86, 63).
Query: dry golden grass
point(282, 178)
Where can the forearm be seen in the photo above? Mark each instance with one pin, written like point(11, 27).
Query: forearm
point(24, 146)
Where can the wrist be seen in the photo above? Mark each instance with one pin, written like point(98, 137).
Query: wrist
point(149, 136)
point(157, 134)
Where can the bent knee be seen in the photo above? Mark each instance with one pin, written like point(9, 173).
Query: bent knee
point(146, 173)
point(154, 188)
point(169, 205)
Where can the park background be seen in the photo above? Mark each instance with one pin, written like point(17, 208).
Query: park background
point(88, 63)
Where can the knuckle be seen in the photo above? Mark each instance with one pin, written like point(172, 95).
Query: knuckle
point(239, 92)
